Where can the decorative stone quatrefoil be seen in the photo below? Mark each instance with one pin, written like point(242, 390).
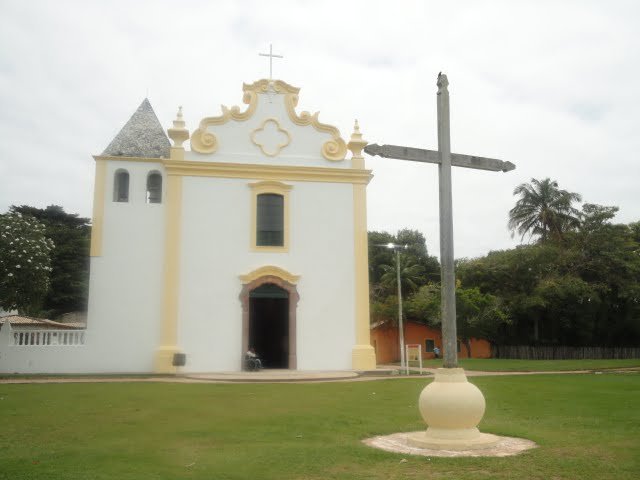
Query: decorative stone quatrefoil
point(271, 137)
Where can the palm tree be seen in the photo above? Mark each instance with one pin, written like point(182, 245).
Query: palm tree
point(543, 209)
point(411, 274)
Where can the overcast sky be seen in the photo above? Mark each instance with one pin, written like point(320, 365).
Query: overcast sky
point(553, 87)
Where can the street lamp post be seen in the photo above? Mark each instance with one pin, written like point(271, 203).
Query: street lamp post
point(397, 248)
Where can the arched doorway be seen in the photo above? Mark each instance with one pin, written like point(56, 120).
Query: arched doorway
point(269, 305)
point(269, 325)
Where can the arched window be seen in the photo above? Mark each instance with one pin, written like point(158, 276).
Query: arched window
point(270, 216)
point(154, 187)
point(121, 186)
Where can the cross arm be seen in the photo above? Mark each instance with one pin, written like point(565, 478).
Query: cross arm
point(433, 156)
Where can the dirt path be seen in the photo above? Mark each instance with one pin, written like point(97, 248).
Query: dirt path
point(283, 378)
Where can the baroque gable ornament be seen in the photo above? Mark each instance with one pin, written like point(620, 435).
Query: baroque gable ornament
point(205, 141)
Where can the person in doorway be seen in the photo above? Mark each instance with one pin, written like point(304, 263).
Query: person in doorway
point(253, 361)
point(436, 352)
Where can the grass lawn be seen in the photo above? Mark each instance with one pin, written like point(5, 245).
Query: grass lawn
point(506, 365)
point(588, 426)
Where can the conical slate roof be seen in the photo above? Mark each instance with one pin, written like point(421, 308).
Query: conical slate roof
point(142, 136)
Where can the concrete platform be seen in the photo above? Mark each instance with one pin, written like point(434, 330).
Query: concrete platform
point(502, 447)
point(275, 375)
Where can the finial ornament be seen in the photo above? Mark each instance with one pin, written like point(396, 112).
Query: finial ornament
point(178, 133)
point(357, 143)
point(442, 83)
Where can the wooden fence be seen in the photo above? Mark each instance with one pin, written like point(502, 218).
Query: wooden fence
point(527, 352)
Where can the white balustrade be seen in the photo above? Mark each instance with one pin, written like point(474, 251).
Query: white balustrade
point(71, 338)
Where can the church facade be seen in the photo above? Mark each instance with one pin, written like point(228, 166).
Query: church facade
point(248, 231)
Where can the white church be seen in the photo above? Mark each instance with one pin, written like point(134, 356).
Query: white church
point(247, 231)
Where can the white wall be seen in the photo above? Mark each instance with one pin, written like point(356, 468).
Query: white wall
point(125, 296)
point(215, 251)
point(39, 358)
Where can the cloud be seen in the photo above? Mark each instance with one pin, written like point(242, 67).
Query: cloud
point(551, 86)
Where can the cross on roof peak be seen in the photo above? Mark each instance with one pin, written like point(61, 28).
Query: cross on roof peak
point(271, 56)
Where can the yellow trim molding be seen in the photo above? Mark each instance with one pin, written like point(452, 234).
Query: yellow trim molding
point(269, 271)
point(203, 141)
point(278, 147)
point(334, 149)
point(263, 86)
point(267, 172)
point(277, 188)
point(171, 282)
point(98, 208)
point(255, 171)
point(363, 356)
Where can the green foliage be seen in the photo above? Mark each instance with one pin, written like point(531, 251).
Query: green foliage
point(415, 254)
point(424, 305)
point(543, 209)
point(71, 234)
point(416, 269)
point(24, 262)
point(385, 309)
point(479, 315)
point(378, 254)
point(582, 291)
point(411, 274)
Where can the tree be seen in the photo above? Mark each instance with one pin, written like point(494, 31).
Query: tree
point(584, 291)
point(416, 252)
point(71, 236)
point(25, 263)
point(424, 305)
point(513, 276)
point(416, 269)
point(379, 255)
point(607, 257)
point(543, 209)
point(479, 315)
point(411, 274)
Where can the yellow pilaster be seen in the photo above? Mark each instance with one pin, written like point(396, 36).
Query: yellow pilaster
point(98, 208)
point(171, 284)
point(163, 362)
point(363, 356)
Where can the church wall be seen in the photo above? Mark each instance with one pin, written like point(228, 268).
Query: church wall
point(325, 261)
point(126, 280)
point(215, 251)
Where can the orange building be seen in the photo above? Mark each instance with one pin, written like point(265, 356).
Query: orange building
point(384, 338)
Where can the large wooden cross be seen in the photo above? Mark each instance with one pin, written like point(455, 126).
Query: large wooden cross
point(445, 159)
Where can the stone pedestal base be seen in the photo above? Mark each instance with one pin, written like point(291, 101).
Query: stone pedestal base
point(401, 443)
point(464, 441)
point(452, 409)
